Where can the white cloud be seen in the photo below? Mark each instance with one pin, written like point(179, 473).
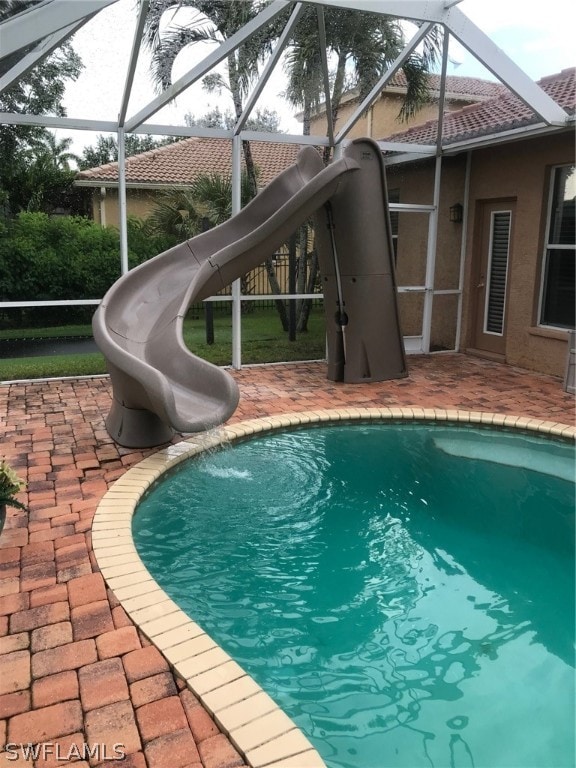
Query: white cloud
point(540, 39)
point(493, 15)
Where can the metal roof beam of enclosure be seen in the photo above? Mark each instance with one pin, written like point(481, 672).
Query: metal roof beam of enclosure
point(236, 285)
point(122, 202)
point(267, 15)
point(390, 72)
point(123, 213)
point(38, 22)
point(187, 131)
point(416, 10)
point(285, 138)
point(53, 121)
point(432, 245)
point(269, 68)
point(39, 53)
point(442, 94)
point(133, 61)
point(325, 74)
point(473, 39)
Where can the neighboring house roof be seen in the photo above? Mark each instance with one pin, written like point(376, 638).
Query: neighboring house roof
point(458, 88)
point(179, 163)
point(503, 113)
point(465, 88)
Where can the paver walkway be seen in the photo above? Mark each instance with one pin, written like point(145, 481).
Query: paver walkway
point(74, 671)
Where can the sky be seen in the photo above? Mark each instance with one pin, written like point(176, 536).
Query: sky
point(538, 37)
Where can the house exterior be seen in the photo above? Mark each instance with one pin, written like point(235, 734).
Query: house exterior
point(504, 274)
point(174, 165)
point(496, 282)
point(382, 118)
point(179, 163)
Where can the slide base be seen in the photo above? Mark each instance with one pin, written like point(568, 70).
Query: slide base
point(136, 428)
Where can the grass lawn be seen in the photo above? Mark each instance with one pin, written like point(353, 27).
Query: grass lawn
point(263, 341)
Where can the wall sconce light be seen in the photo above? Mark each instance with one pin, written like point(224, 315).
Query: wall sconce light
point(456, 211)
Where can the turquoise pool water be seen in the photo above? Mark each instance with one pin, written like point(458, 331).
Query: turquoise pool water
point(404, 592)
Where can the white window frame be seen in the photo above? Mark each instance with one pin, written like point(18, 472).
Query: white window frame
point(549, 246)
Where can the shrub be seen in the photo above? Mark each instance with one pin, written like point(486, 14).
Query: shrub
point(64, 257)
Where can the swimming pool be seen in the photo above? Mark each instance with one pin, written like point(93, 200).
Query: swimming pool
point(404, 592)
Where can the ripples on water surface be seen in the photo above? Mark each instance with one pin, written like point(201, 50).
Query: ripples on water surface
point(406, 606)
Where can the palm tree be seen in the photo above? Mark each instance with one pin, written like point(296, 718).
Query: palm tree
point(38, 92)
point(184, 213)
point(214, 22)
point(175, 214)
point(56, 151)
point(363, 45)
point(207, 202)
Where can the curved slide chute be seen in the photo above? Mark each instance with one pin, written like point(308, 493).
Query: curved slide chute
point(159, 385)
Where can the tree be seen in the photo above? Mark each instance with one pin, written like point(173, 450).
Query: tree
point(362, 45)
point(183, 213)
point(106, 148)
point(264, 120)
point(213, 21)
point(58, 150)
point(46, 187)
point(207, 202)
point(39, 92)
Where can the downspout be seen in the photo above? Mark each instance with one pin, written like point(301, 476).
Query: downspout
point(236, 285)
point(466, 203)
point(369, 122)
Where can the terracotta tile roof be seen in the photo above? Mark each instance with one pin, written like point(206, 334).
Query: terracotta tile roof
point(502, 113)
point(456, 86)
point(180, 162)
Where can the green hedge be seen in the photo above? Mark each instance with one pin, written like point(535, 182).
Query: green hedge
point(63, 257)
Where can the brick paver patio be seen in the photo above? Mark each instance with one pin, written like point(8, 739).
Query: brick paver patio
point(73, 668)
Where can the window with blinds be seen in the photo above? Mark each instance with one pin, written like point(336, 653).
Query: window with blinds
point(498, 272)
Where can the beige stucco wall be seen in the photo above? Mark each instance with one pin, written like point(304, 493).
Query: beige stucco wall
point(382, 119)
point(520, 172)
point(415, 184)
point(105, 209)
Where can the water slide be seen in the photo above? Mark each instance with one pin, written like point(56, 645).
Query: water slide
point(160, 386)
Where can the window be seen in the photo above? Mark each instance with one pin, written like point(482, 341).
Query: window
point(497, 272)
point(557, 304)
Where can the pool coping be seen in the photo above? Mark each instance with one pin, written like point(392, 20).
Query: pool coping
point(254, 723)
